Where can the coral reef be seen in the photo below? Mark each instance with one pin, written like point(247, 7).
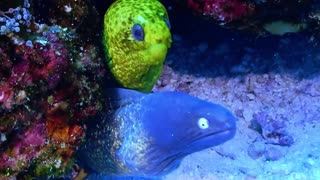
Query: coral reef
point(253, 15)
point(14, 19)
point(49, 84)
point(50, 73)
point(222, 10)
point(61, 12)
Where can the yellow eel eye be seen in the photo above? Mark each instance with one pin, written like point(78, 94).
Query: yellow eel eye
point(137, 32)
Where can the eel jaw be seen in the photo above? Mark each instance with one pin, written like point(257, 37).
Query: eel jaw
point(157, 53)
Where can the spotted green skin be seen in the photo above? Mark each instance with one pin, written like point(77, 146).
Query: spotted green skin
point(136, 64)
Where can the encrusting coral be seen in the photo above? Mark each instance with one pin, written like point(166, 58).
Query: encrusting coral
point(49, 84)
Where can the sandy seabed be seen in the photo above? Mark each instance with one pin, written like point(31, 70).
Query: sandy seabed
point(279, 79)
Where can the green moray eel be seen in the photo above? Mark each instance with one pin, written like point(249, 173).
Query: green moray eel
point(147, 135)
point(136, 38)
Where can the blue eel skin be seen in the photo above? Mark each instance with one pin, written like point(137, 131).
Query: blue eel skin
point(147, 135)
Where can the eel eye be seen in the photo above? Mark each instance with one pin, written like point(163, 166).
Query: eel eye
point(203, 123)
point(167, 22)
point(137, 32)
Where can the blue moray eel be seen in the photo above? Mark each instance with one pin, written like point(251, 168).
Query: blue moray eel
point(147, 135)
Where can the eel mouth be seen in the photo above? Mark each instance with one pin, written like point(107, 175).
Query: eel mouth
point(171, 162)
point(168, 164)
point(157, 52)
point(217, 136)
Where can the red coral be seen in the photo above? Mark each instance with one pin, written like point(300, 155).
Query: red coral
point(222, 10)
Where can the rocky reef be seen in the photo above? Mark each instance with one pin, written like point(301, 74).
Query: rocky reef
point(52, 67)
point(50, 76)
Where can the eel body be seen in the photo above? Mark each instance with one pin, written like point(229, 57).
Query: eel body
point(147, 135)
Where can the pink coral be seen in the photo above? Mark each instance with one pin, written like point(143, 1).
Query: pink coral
point(49, 84)
point(6, 96)
point(38, 63)
point(25, 147)
point(40, 96)
point(222, 10)
point(35, 136)
point(42, 62)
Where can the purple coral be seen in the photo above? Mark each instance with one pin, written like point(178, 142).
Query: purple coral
point(25, 147)
point(272, 130)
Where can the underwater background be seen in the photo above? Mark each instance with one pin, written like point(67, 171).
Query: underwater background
point(260, 59)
